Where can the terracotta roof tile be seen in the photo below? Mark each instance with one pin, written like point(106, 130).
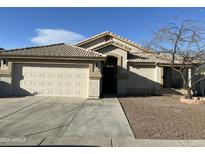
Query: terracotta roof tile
point(160, 58)
point(56, 50)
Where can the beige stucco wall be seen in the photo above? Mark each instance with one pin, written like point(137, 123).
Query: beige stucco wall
point(158, 77)
point(143, 79)
point(95, 82)
point(94, 88)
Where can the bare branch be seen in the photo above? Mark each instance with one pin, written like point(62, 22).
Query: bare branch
point(182, 44)
point(195, 82)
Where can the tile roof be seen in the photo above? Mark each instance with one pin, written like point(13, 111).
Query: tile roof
point(115, 36)
point(54, 51)
point(160, 58)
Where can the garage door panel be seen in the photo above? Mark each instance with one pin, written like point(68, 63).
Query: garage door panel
point(51, 80)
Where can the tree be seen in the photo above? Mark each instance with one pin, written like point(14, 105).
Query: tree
point(183, 46)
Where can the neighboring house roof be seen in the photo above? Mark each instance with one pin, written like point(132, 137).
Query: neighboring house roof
point(56, 51)
point(114, 36)
point(2, 49)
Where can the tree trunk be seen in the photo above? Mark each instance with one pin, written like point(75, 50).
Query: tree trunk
point(189, 96)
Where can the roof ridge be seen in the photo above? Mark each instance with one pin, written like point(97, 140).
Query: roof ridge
point(41, 46)
point(115, 35)
point(93, 36)
point(128, 40)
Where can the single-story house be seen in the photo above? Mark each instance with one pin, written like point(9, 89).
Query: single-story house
point(103, 64)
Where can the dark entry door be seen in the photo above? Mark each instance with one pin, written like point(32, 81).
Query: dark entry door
point(109, 76)
point(109, 80)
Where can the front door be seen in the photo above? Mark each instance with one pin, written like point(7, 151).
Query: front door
point(109, 76)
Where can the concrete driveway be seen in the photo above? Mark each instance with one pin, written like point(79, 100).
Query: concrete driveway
point(61, 121)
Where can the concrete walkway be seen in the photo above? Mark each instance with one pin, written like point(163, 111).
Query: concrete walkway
point(59, 120)
point(102, 118)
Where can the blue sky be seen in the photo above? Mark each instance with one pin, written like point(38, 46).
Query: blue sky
point(22, 27)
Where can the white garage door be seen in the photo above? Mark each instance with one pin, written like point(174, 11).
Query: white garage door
point(51, 80)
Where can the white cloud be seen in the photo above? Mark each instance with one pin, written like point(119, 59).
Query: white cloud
point(51, 36)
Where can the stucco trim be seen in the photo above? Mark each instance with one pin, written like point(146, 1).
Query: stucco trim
point(95, 75)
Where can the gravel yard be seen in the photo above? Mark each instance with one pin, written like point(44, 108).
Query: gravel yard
point(164, 117)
